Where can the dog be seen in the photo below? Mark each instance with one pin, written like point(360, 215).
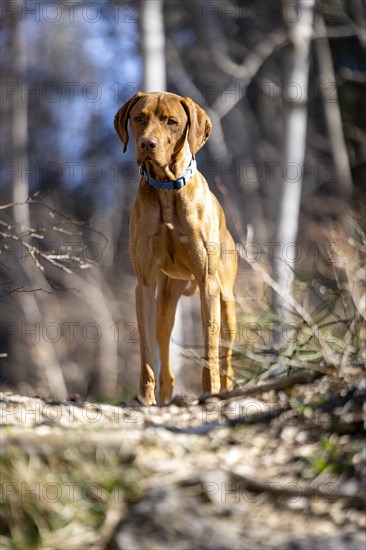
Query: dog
point(179, 239)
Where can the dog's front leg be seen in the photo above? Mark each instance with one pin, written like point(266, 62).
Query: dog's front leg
point(210, 310)
point(146, 314)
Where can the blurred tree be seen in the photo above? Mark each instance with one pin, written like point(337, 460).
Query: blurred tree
point(332, 111)
point(19, 124)
point(153, 45)
point(299, 21)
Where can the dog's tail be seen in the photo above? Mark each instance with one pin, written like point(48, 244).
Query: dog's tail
point(191, 288)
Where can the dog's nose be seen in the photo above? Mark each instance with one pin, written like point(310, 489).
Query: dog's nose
point(148, 143)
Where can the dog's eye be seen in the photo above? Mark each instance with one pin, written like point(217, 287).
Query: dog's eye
point(171, 122)
point(138, 118)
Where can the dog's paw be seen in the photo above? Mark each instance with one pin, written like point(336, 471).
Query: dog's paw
point(147, 400)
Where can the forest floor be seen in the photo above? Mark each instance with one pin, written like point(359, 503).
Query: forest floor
point(281, 466)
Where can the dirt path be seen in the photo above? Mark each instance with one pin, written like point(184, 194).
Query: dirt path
point(245, 474)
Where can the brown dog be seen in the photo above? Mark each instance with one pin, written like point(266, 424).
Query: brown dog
point(178, 234)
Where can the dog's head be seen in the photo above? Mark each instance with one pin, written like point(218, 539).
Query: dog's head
point(161, 124)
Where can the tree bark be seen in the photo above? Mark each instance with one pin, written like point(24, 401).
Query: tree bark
point(298, 18)
point(333, 113)
point(19, 131)
point(153, 46)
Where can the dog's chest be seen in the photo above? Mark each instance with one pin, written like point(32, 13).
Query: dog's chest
point(168, 209)
point(174, 219)
point(174, 236)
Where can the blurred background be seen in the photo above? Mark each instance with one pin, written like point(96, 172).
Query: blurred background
point(284, 85)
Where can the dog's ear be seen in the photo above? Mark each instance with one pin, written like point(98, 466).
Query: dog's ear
point(199, 125)
point(121, 119)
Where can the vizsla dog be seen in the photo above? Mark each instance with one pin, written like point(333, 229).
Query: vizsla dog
point(179, 238)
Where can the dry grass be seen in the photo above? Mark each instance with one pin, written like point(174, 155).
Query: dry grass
point(66, 494)
point(327, 327)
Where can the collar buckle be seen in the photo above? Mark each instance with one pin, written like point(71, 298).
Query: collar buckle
point(180, 182)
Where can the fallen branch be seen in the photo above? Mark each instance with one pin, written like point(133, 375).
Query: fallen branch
point(295, 490)
point(283, 383)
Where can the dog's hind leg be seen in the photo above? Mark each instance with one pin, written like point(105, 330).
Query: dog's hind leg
point(228, 327)
point(228, 333)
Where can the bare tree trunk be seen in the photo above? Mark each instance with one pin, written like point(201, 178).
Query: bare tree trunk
point(332, 112)
point(298, 18)
point(34, 308)
point(153, 45)
point(19, 133)
point(97, 295)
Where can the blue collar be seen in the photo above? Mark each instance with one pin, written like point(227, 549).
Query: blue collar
point(175, 184)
